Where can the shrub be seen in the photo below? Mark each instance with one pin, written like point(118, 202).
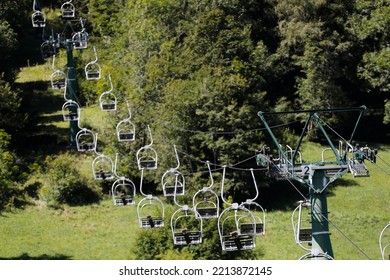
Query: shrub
point(66, 185)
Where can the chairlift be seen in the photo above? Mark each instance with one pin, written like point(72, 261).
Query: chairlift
point(205, 201)
point(80, 38)
point(301, 225)
point(58, 80)
point(123, 192)
point(125, 129)
point(93, 69)
point(384, 242)
point(38, 19)
point(147, 156)
point(150, 209)
point(317, 255)
point(233, 238)
point(68, 10)
point(150, 212)
point(245, 225)
point(107, 100)
point(103, 168)
point(186, 226)
point(169, 180)
point(173, 181)
point(85, 140)
point(70, 111)
point(48, 49)
point(258, 213)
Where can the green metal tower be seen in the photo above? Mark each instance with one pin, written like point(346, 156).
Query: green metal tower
point(72, 92)
point(315, 175)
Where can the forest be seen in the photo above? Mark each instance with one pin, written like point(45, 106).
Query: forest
point(192, 76)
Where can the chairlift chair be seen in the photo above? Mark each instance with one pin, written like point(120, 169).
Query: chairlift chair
point(316, 255)
point(80, 40)
point(123, 192)
point(245, 226)
point(186, 227)
point(68, 10)
point(102, 168)
point(384, 242)
point(228, 228)
point(92, 69)
point(301, 225)
point(48, 49)
point(70, 111)
point(38, 19)
point(125, 131)
point(173, 180)
point(85, 140)
point(147, 158)
point(58, 80)
point(107, 101)
point(206, 203)
point(150, 212)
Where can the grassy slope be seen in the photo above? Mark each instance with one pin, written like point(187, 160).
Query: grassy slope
point(359, 208)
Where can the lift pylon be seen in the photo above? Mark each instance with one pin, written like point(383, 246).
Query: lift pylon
point(315, 175)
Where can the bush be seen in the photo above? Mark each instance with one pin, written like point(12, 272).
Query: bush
point(9, 173)
point(66, 184)
point(76, 192)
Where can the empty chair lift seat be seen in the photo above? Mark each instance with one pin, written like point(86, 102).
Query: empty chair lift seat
point(247, 228)
point(207, 212)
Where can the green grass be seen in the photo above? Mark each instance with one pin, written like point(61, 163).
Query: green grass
point(41, 72)
point(93, 232)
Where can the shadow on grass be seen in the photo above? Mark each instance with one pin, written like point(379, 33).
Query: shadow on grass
point(43, 108)
point(26, 256)
point(283, 195)
point(38, 99)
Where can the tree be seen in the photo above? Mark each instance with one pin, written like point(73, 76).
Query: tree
point(370, 26)
point(11, 118)
point(313, 33)
point(8, 173)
